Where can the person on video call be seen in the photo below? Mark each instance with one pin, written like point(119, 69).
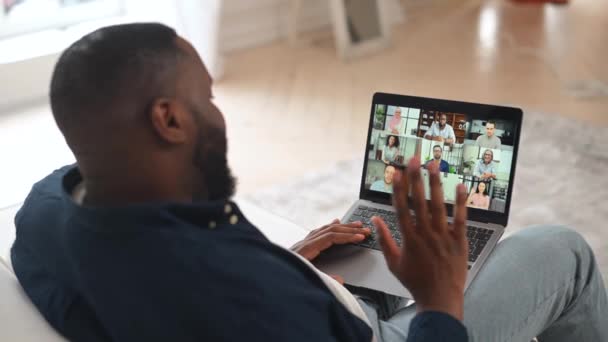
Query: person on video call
point(485, 168)
point(396, 125)
point(443, 165)
point(385, 184)
point(441, 131)
point(489, 140)
point(479, 197)
point(140, 240)
point(390, 151)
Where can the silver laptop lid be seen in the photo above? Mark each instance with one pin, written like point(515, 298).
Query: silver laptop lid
point(474, 144)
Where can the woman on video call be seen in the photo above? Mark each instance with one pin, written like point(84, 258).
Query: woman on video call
point(390, 152)
point(479, 197)
point(396, 124)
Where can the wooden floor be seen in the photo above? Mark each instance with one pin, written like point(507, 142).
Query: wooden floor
point(295, 109)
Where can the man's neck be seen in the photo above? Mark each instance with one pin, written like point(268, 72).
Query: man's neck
point(101, 194)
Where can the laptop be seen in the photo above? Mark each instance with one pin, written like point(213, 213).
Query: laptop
point(474, 144)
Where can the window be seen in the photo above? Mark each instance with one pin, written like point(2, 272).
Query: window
point(18, 17)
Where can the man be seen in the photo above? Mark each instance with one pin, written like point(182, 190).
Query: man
point(441, 131)
point(386, 184)
point(443, 165)
point(489, 140)
point(485, 168)
point(140, 242)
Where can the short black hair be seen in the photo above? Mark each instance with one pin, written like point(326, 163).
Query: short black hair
point(396, 140)
point(113, 69)
point(437, 146)
point(491, 122)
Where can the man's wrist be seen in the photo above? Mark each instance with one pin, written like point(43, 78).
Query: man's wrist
point(452, 305)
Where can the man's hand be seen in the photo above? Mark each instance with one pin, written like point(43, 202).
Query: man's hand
point(334, 233)
point(432, 261)
point(487, 175)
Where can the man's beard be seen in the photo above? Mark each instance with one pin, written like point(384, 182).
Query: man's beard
point(210, 158)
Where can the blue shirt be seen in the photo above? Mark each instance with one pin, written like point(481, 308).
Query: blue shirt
point(379, 185)
point(164, 272)
point(482, 168)
point(444, 166)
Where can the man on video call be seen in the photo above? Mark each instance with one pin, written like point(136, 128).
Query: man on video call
point(385, 184)
point(443, 165)
point(489, 140)
point(139, 241)
point(441, 131)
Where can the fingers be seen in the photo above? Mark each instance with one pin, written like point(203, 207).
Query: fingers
point(460, 212)
point(389, 247)
point(325, 241)
point(400, 202)
point(418, 198)
point(438, 212)
point(351, 228)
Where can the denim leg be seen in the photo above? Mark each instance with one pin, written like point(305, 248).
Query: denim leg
point(541, 281)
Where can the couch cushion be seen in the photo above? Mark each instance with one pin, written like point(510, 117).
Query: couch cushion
point(19, 319)
point(276, 228)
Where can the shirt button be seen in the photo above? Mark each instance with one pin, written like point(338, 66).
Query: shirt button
point(227, 209)
point(234, 219)
point(212, 224)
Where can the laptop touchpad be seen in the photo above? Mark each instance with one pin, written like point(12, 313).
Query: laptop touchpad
point(362, 267)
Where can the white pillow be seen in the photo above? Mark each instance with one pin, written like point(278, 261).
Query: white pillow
point(19, 319)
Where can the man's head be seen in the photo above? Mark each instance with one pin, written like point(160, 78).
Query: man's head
point(389, 171)
point(134, 104)
point(443, 119)
point(437, 152)
point(488, 156)
point(490, 125)
point(398, 112)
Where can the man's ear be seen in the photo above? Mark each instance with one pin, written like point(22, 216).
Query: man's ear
point(169, 121)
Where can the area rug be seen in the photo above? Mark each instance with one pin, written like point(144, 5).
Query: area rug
point(561, 178)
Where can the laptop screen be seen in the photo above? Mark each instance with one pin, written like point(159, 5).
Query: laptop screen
point(473, 148)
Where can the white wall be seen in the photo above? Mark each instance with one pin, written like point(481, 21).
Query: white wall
point(26, 63)
point(249, 23)
point(242, 24)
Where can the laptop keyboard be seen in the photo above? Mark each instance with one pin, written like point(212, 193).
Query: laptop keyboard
point(477, 237)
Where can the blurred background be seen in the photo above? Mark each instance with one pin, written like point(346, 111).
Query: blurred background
point(296, 91)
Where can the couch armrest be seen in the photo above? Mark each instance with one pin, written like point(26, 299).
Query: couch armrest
point(19, 319)
point(276, 228)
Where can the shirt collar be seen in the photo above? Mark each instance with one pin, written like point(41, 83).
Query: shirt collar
point(206, 214)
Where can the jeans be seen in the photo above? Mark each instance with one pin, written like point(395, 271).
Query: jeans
point(539, 282)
